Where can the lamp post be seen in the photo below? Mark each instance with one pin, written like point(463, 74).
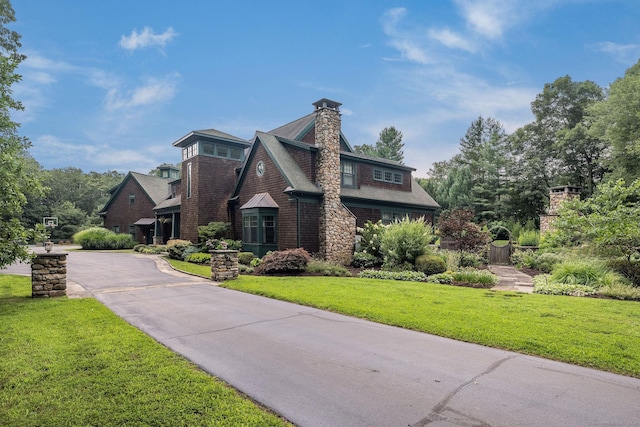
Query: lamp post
point(48, 245)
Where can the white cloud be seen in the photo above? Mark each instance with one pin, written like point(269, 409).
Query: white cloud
point(146, 38)
point(154, 91)
point(405, 42)
point(623, 53)
point(488, 18)
point(451, 39)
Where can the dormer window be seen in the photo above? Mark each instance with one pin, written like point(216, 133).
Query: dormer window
point(387, 176)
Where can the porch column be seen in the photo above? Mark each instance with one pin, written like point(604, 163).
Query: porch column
point(157, 239)
point(173, 225)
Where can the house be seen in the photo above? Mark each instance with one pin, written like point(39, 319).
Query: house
point(130, 208)
point(299, 185)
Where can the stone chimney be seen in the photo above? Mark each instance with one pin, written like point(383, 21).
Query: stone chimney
point(337, 226)
point(557, 195)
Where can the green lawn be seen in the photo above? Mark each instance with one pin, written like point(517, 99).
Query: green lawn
point(598, 333)
point(74, 363)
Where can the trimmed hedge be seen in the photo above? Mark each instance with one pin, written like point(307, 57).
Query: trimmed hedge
point(290, 261)
point(96, 238)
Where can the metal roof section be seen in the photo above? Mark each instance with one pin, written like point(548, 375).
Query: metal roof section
point(260, 200)
point(210, 134)
point(417, 197)
point(145, 221)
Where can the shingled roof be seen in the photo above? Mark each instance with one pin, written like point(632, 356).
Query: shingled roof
point(154, 187)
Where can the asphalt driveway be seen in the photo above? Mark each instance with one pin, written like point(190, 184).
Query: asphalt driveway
point(318, 368)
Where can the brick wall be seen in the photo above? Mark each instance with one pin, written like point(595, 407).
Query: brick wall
point(211, 186)
point(123, 214)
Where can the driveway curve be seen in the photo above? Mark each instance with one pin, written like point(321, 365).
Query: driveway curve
point(318, 368)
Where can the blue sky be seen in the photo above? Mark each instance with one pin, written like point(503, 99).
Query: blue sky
point(109, 85)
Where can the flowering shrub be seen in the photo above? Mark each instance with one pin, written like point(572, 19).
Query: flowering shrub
point(403, 241)
point(371, 235)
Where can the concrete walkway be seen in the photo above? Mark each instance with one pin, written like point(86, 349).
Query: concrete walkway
point(511, 279)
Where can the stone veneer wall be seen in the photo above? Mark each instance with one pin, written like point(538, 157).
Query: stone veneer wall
point(557, 195)
point(224, 265)
point(49, 275)
point(337, 227)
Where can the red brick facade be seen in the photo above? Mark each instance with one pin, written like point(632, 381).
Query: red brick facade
point(122, 214)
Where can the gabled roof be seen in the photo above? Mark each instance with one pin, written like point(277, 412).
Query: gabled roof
point(417, 197)
point(168, 203)
point(156, 188)
point(289, 169)
point(260, 200)
point(210, 134)
point(297, 129)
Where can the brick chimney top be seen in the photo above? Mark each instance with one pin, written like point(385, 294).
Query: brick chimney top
point(327, 103)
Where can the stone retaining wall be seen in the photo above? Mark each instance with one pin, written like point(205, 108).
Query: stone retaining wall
point(49, 275)
point(224, 265)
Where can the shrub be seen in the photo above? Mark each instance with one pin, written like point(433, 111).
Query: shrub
point(255, 262)
point(371, 235)
point(245, 257)
point(442, 278)
point(430, 264)
point(243, 269)
point(457, 225)
point(288, 262)
point(198, 258)
point(529, 238)
point(150, 249)
point(484, 278)
point(620, 291)
point(536, 260)
point(365, 260)
point(469, 259)
point(628, 268)
point(452, 259)
point(412, 276)
point(218, 244)
point(214, 230)
point(585, 272)
point(177, 247)
point(327, 269)
point(403, 241)
point(542, 284)
point(189, 250)
point(100, 238)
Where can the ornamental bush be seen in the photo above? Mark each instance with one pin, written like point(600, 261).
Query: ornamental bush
point(371, 235)
point(290, 261)
point(198, 258)
point(95, 238)
point(404, 241)
point(177, 247)
point(365, 260)
point(245, 258)
point(412, 276)
point(430, 264)
point(529, 238)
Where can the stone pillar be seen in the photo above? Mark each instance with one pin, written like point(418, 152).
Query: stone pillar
point(224, 265)
point(337, 225)
point(557, 195)
point(49, 275)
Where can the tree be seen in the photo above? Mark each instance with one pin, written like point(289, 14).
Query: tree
point(457, 225)
point(617, 121)
point(15, 176)
point(608, 220)
point(389, 146)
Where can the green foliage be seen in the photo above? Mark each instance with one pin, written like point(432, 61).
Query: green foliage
point(365, 260)
point(629, 268)
point(452, 258)
point(529, 238)
point(403, 241)
point(245, 257)
point(18, 176)
point(620, 291)
point(150, 249)
point(536, 260)
point(176, 248)
point(542, 284)
point(223, 244)
point(608, 221)
point(95, 238)
point(484, 278)
point(412, 276)
point(290, 261)
point(430, 264)
point(198, 258)
point(442, 278)
point(457, 225)
point(214, 230)
point(389, 146)
point(371, 235)
point(255, 262)
point(470, 259)
point(327, 268)
point(590, 272)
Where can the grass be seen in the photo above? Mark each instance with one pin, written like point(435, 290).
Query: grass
point(191, 268)
point(597, 333)
point(70, 362)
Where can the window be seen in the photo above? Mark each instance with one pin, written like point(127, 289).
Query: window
point(188, 180)
point(268, 229)
point(190, 151)
point(222, 151)
point(219, 150)
point(347, 174)
point(387, 176)
point(236, 153)
point(389, 217)
point(132, 231)
point(132, 198)
point(250, 229)
point(115, 228)
point(208, 148)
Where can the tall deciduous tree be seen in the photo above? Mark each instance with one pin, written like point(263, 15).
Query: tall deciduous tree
point(15, 176)
point(389, 146)
point(617, 120)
